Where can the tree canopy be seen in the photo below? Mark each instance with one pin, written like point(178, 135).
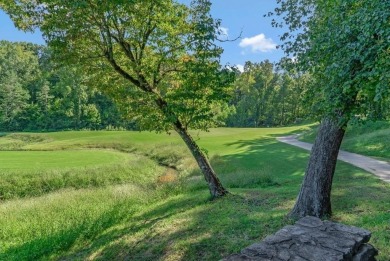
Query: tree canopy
point(166, 51)
point(156, 58)
point(264, 96)
point(37, 95)
point(345, 45)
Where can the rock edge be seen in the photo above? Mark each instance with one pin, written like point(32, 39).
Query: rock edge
point(311, 239)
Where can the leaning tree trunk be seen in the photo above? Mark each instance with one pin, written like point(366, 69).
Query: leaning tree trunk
point(314, 197)
point(215, 186)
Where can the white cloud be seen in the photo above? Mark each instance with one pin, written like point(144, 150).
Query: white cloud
point(258, 43)
point(240, 67)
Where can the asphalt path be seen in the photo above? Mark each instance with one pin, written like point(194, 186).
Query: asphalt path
point(377, 167)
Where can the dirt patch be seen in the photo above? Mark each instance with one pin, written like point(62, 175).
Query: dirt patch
point(170, 175)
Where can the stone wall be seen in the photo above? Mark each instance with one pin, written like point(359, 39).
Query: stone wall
point(314, 240)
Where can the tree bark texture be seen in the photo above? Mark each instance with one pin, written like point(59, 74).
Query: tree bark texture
point(314, 196)
point(215, 186)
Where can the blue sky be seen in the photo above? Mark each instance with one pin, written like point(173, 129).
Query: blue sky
point(258, 38)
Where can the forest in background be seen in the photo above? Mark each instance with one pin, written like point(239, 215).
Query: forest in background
point(160, 61)
point(37, 94)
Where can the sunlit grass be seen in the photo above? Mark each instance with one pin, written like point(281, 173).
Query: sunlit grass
point(45, 160)
point(370, 139)
point(150, 216)
point(27, 182)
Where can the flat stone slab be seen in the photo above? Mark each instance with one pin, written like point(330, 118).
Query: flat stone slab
point(311, 239)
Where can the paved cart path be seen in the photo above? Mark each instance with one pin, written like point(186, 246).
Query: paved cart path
point(377, 167)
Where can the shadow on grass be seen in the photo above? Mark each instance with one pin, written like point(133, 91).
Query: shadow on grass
point(362, 200)
point(263, 157)
point(355, 190)
point(190, 227)
point(47, 245)
point(187, 228)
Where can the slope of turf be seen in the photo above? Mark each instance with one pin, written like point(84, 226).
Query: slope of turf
point(46, 160)
point(151, 217)
point(370, 139)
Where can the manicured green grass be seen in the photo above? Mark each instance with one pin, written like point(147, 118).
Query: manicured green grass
point(49, 160)
point(147, 217)
point(41, 163)
point(370, 139)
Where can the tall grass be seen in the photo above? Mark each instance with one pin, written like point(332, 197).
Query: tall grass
point(141, 209)
point(37, 228)
point(135, 169)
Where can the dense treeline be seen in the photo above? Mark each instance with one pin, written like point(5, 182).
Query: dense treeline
point(35, 94)
point(265, 97)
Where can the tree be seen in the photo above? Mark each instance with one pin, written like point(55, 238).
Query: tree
point(267, 97)
point(13, 99)
point(18, 65)
point(37, 94)
point(345, 46)
point(255, 89)
point(157, 58)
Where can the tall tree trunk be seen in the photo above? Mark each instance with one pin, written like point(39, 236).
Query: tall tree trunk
point(314, 197)
point(215, 186)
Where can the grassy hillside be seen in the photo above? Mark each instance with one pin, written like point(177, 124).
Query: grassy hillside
point(139, 196)
point(370, 139)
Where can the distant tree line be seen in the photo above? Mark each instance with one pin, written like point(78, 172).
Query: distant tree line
point(266, 97)
point(37, 95)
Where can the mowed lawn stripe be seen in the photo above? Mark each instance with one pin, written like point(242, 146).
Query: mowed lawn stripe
point(43, 160)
